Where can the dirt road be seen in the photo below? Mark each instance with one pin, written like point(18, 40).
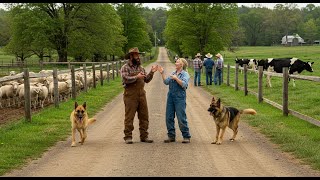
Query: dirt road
point(106, 154)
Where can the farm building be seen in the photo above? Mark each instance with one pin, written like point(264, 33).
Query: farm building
point(293, 40)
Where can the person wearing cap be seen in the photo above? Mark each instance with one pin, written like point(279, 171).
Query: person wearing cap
point(134, 78)
point(208, 63)
point(219, 66)
point(197, 65)
point(176, 100)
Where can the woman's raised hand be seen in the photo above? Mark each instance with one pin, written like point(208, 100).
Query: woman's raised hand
point(160, 69)
point(154, 68)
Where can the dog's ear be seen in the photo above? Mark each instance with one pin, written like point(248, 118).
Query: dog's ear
point(213, 99)
point(218, 102)
point(84, 105)
point(75, 105)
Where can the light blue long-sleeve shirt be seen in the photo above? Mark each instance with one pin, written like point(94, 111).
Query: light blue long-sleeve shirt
point(173, 85)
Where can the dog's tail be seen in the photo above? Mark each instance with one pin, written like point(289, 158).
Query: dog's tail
point(91, 120)
point(248, 111)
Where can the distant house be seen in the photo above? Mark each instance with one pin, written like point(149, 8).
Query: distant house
point(292, 40)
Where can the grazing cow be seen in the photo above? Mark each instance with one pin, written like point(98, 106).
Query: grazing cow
point(263, 63)
point(251, 63)
point(295, 66)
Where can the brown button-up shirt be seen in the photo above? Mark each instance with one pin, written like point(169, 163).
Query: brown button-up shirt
point(129, 73)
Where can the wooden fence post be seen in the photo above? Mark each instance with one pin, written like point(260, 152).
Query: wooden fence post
point(101, 75)
point(245, 80)
point(94, 75)
point(222, 69)
point(236, 77)
point(228, 75)
point(73, 81)
point(69, 65)
point(55, 88)
point(85, 77)
point(27, 96)
point(112, 70)
point(117, 69)
point(285, 91)
point(108, 72)
point(260, 83)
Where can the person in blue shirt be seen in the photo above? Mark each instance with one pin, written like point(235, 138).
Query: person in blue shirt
point(208, 64)
point(176, 100)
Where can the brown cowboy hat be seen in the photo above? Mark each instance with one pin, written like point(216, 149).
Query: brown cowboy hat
point(135, 50)
point(132, 50)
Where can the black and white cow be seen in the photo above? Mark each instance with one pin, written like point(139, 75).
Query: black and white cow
point(295, 66)
point(251, 63)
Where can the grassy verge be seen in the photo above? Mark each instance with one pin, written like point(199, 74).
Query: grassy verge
point(21, 141)
point(292, 134)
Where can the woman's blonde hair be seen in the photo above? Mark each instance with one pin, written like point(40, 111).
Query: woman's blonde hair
point(184, 62)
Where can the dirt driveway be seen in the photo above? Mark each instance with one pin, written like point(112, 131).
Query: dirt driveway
point(106, 154)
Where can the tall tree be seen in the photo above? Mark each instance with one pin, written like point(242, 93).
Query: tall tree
point(286, 18)
point(96, 33)
point(85, 30)
point(4, 28)
point(135, 27)
point(200, 27)
point(310, 31)
point(19, 44)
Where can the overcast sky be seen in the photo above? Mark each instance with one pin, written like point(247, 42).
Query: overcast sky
point(269, 5)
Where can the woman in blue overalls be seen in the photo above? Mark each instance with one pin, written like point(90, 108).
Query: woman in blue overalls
point(176, 100)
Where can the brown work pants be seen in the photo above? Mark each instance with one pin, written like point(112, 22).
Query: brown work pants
point(135, 100)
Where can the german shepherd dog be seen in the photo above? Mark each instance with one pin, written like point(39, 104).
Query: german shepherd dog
point(226, 116)
point(80, 121)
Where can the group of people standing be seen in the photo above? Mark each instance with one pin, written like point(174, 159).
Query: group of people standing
point(209, 64)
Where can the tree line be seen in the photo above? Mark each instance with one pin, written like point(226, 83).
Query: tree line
point(260, 26)
point(96, 31)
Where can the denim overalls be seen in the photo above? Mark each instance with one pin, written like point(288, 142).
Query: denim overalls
point(176, 105)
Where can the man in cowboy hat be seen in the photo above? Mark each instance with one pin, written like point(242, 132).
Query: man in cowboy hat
point(208, 63)
point(133, 78)
point(219, 66)
point(197, 65)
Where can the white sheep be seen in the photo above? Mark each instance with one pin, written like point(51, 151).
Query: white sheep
point(34, 95)
point(43, 95)
point(9, 92)
point(0, 97)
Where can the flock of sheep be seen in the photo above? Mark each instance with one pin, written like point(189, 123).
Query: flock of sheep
point(42, 88)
